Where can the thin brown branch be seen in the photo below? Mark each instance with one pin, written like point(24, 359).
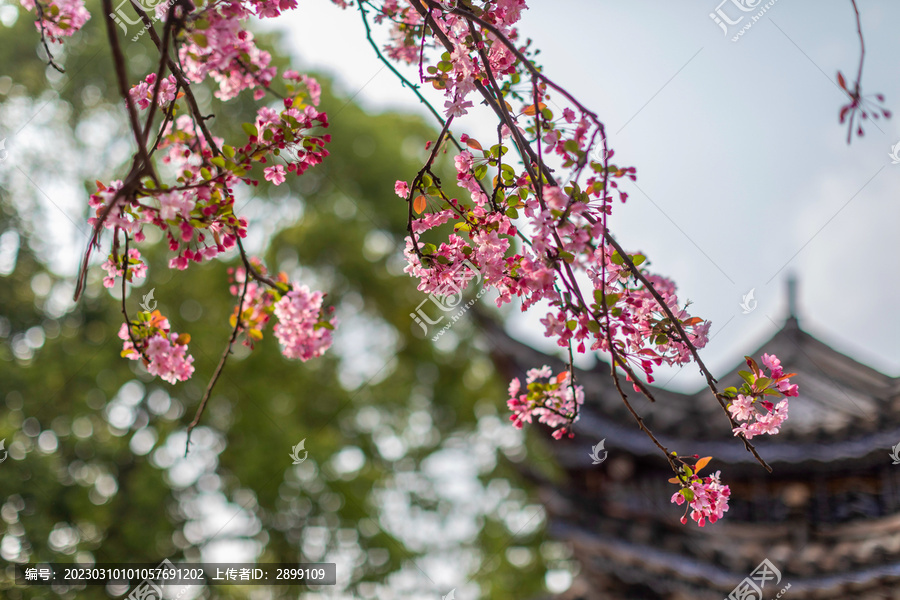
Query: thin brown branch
point(219, 368)
point(251, 270)
point(40, 21)
point(134, 343)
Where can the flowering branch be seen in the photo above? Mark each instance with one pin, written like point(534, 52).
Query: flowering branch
point(555, 200)
point(858, 103)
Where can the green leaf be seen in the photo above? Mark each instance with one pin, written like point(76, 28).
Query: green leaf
point(218, 161)
point(228, 150)
point(572, 324)
point(748, 377)
point(250, 129)
point(204, 172)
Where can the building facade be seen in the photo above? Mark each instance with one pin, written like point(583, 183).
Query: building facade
point(827, 519)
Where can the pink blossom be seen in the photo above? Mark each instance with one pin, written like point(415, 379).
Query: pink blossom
point(401, 189)
point(457, 107)
point(741, 408)
point(275, 174)
point(555, 198)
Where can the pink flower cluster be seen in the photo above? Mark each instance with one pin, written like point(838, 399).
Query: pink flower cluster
point(302, 330)
point(258, 304)
point(142, 93)
point(455, 72)
point(59, 18)
point(554, 402)
point(115, 267)
point(224, 50)
point(707, 499)
point(164, 352)
point(750, 399)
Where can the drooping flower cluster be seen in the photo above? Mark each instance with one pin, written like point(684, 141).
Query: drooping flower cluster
point(459, 69)
point(164, 352)
point(748, 403)
point(58, 18)
point(195, 210)
point(142, 93)
point(707, 497)
point(554, 196)
point(302, 329)
point(218, 46)
point(554, 402)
